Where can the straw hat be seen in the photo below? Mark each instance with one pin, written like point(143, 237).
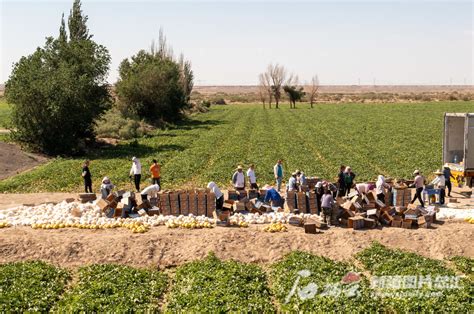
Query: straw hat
point(416, 172)
point(239, 167)
point(438, 172)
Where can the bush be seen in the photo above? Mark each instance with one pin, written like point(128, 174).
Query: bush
point(30, 286)
point(57, 92)
point(114, 125)
point(220, 101)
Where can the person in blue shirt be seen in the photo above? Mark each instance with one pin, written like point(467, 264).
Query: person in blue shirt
point(278, 172)
point(273, 196)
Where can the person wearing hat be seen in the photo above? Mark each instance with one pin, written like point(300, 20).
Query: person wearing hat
point(341, 183)
point(319, 191)
point(447, 177)
point(218, 194)
point(136, 172)
point(238, 179)
point(106, 187)
point(292, 183)
point(380, 187)
point(252, 177)
point(418, 185)
point(440, 183)
point(150, 190)
point(301, 178)
point(278, 172)
point(348, 180)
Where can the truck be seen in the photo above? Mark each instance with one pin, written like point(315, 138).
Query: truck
point(458, 147)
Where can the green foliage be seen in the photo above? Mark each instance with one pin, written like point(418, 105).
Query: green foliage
point(464, 264)
point(58, 91)
point(324, 273)
point(214, 286)
point(114, 125)
point(294, 93)
point(376, 139)
point(5, 113)
point(30, 286)
point(114, 288)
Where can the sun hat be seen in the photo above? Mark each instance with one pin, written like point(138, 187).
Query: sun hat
point(416, 172)
point(239, 167)
point(438, 172)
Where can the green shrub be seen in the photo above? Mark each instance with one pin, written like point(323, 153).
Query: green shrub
point(464, 264)
point(214, 286)
point(114, 125)
point(114, 288)
point(30, 286)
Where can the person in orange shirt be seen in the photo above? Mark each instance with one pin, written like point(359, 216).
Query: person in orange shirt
point(155, 170)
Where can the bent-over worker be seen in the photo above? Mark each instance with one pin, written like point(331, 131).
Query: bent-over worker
point(106, 187)
point(364, 188)
point(151, 190)
point(219, 195)
point(273, 196)
point(238, 179)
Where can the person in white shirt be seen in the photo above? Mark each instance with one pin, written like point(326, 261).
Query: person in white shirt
point(380, 187)
point(440, 183)
point(292, 184)
point(151, 190)
point(252, 177)
point(136, 171)
point(238, 179)
point(219, 195)
point(106, 187)
point(301, 178)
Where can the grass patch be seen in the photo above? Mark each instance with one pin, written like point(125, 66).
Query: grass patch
point(322, 276)
point(464, 264)
point(30, 286)
point(114, 288)
point(215, 286)
point(5, 112)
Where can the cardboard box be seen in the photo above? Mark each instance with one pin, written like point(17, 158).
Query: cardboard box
point(356, 222)
point(407, 223)
point(397, 223)
point(310, 228)
point(369, 223)
point(233, 195)
point(111, 197)
point(296, 221)
point(103, 204)
point(253, 194)
point(349, 206)
point(239, 207)
point(344, 222)
point(228, 205)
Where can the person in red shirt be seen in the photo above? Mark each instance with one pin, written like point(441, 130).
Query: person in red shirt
point(155, 170)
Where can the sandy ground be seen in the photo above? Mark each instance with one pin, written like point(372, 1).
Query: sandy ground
point(163, 247)
point(13, 160)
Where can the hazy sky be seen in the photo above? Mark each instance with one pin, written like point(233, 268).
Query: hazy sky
point(404, 42)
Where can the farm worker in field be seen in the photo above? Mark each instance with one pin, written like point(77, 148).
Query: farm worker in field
point(380, 187)
point(301, 178)
point(106, 187)
point(155, 170)
point(278, 172)
point(252, 177)
point(136, 171)
point(447, 177)
point(292, 183)
point(150, 190)
point(364, 188)
point(319, 191)
point(419, 183)
point(219, 195)
point(272, 195)
point(349, 179)
point(86, 175)
point(440, 183)
point(238, 178)
point(341, 183)
point(327, 203)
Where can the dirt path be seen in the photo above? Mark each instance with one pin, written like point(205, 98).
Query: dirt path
point(13, 160)
point(165, 247)
point(30, 199)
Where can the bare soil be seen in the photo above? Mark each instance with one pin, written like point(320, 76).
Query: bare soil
point(13, 160)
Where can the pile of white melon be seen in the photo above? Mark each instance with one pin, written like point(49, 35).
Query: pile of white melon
point(190, 222)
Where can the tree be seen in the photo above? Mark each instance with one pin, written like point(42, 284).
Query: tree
point(295, 93)
point(59, 91)
point(265, 84)
point(153, 85)
point(262, 94)
point(277, 74)
point(312, 90)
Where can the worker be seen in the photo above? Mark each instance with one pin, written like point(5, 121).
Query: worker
point(349, 180)
point(252, 177)
point(319, 191)
point(155, 170)
point(447, 177)
point(301, 178)
point(418, 185)
point(327, 203)
point(278, 172)
point(136, 171)
point(86, 175)
point(341, 183)
point(273, 195)
point(219, 195)
point(380, 187)
point(238, 179)
point(440, 183)
point(106, 187)
point(364, 188)
point(292, 183)
point(151, 190)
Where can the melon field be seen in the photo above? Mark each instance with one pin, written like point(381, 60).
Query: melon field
point(299, 282)
point(388, 139)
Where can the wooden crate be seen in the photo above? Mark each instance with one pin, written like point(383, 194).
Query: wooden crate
point(301, 202)
point(310, 228)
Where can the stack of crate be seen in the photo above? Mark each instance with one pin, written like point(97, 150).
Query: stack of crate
point(312, 203)
point(192, 202)
point(165, 206)
point(291, 200)
point(174, 202)
point(201, 203)
point(401, 197)
point(302, 202)
point(184, 203)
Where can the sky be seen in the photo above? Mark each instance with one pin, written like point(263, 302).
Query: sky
point(231, 42)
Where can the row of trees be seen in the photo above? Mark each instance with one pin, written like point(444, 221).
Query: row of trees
point(276, 80)
point(58, 92)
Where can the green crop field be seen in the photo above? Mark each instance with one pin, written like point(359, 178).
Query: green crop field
point(299, 282)
point(389, 139)
point(4, 113)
